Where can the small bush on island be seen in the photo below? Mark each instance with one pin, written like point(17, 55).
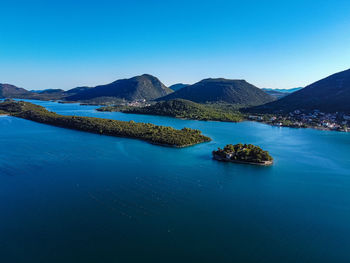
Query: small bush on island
point(243, 153)
point(155, 134)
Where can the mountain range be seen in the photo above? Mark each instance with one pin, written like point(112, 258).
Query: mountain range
point(330, 94)
point(147, 87)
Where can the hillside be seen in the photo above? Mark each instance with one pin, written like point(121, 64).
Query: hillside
point(137, 88)
point(330, 94)
point(237, 92)
point(11, 91)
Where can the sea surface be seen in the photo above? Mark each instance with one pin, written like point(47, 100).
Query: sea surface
point(70, 196)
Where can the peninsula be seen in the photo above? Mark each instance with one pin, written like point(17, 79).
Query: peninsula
point(180, 108)
point(160, 135)
point(243, 153)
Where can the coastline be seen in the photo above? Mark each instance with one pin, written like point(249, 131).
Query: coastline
point(183, 118)
point(243, 120)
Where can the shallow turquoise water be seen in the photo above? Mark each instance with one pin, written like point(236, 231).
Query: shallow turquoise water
point(70, 196)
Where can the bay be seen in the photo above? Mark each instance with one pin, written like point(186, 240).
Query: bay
point(70, 196)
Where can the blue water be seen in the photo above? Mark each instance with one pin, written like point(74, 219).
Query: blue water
point(69, 196)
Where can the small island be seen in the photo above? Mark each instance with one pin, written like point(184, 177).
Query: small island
point(243, 153)
point(155, 134)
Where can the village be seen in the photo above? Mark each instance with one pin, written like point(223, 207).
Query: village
point(305, 119)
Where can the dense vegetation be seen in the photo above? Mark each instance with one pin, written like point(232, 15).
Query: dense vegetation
point(181, 109)
point(145, 131)
point(243, 153)
point(331, 94)
point(238, 92)
point(145, 87)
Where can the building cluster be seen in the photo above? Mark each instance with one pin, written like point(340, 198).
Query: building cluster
point(312, 119)
point(137, 103)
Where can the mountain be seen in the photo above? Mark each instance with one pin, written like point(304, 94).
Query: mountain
point(330, 94)
point(137, 88)
point(237, 92)
point(11, 91)
point(178, 86)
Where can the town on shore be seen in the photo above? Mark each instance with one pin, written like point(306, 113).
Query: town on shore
point(303, 119)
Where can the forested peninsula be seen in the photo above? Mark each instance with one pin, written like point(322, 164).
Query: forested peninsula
point(184, 109)
point(161, 135)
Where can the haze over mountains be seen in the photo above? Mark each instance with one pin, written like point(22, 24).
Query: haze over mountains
point(280, 93)
point(330, 94)
point(237, 92)
point(284, 90)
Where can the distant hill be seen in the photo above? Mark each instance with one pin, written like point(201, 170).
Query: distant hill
point(137, 88)
point(178, 86)
point(11, 91)
point(276, 94)
point(237, 92)
point(280, 93)
point(330, 94)
point(77, 90)
point(48, 91)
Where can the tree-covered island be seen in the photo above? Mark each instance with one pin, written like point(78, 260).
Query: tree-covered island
point(155, 134)
point(243, 153)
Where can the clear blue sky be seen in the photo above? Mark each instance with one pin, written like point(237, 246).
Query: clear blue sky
point(272, 44)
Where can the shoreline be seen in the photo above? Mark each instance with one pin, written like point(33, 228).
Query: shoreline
point(181, 118)
point(220, 159)
point(245, 119)
point(293, 127)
